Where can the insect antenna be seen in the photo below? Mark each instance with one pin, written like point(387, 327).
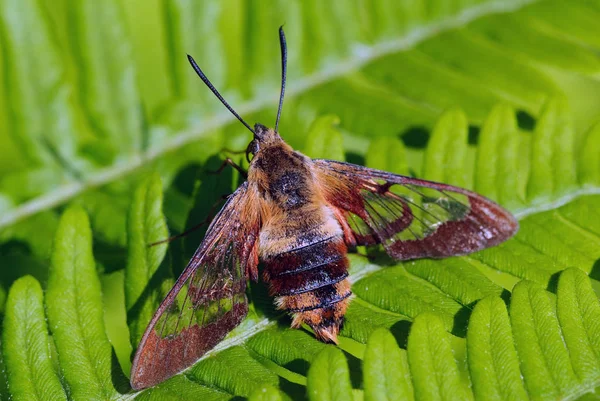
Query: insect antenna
point(283, 73)
point(216, 92)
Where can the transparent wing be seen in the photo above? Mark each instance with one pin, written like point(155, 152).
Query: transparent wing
point(207, 301)
point(412, 218)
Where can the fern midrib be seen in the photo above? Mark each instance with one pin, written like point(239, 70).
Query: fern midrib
point(592, 236)
point(582, 390)
point(362, 55)
point(539, 207)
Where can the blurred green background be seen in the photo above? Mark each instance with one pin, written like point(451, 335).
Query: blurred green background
point(94, 96)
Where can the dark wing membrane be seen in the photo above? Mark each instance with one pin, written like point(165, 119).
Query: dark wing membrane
point(412, 218)
point(207, 301)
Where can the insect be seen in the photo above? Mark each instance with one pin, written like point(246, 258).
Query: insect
point(298, 217)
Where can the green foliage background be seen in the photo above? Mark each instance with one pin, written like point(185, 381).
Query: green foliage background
point(106, 136)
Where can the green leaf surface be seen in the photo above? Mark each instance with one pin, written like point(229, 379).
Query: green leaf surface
point(268, 393)
point(552, 159)
point(386, 370)
point(387, 154)
point(497, 165)
point(544, 45)
point(179, 388)
point(394, 290)
point(25, 344)
point(41, 113)
point(537, 334)
point(328, 377)
point(107, 75)
point(233, 371)
point(589, 169)
point(435, 375)
point(450, 133)
point(324, 141)
point(578, 312)
point(291, 349)
point(75, 312)
point(103, 112)
point(493, 360)
point(146, 225)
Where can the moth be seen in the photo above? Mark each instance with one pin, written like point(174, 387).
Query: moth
point(298, 217)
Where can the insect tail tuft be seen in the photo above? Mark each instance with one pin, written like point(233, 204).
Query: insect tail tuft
point(327, 334)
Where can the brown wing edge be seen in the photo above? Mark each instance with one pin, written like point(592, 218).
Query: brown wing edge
point(168, 357)
point(486, 224)
point(158, 359)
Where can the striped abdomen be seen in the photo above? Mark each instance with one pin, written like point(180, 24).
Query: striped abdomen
point(311, 283)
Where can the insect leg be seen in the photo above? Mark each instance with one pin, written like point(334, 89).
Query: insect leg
point(207, 220)
point(230, 162)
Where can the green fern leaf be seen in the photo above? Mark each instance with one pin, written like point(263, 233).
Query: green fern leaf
point(102, 113)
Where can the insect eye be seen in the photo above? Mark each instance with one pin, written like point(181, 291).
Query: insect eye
point(253, 148)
